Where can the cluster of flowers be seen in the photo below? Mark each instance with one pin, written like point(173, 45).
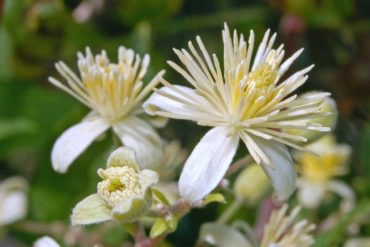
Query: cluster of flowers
point(248, 99)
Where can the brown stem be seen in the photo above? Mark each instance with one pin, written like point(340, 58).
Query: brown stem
point(239, 164)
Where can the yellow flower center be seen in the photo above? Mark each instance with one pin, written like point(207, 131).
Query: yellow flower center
point(320, 169)
point(119, 183)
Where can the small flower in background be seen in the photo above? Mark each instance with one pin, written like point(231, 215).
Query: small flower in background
point(123, 195)
point(114, 93)
point(245, 101)
point(282, 230)
point(318, 172)
point(46, 242)
point(13, 200)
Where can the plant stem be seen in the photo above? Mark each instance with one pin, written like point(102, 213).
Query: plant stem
point(230, 211)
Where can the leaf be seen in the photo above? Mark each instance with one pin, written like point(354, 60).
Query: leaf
point(159, 227)
point(214, 197)
point(161, 197)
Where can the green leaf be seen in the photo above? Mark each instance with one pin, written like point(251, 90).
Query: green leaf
point(159, 227)
point(10, 127)
point(161, 197)
point(214, 197)
point(335, 235)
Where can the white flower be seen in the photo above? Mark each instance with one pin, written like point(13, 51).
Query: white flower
point(282, 230)
point(317, 172)
point(13, 200)
point(45, 242)
point(123, 195)
point(114, 92)
point(245, 101)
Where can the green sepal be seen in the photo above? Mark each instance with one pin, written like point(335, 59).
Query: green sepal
point(214, 197)
point(159, 227)
point(161, 197)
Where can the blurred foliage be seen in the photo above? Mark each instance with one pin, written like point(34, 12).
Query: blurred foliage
point(34, 34)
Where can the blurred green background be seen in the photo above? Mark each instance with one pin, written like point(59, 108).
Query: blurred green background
point(34, 34)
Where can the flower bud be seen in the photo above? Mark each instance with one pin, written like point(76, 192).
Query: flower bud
point(251, 184)
point(123, 195)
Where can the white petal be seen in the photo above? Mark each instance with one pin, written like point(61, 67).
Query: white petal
point(207, 164)
point(142, 138)
point(90, 210)
point(281, 169)
point(310, 195)
point(158, 102)
point(342, 189)
point(13, 207)
point(74, 141)
point(45, 242)
point(223, 236)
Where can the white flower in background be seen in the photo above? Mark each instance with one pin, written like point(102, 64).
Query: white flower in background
point(13, 200)
point(358, 242)
point(317, 172)
point(282, 230)
point(45, 242)
point(123, 195)
point(246, 101)
point(114, 92)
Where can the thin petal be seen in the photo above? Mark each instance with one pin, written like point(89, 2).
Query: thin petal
point(280, 169)
point(223, 236)
point(142, 138)
point(46, 242)
point(74, 141)
point(342, 189)
point(207, 164)
point(132, 209)
point(181, 110)
point(90, 210)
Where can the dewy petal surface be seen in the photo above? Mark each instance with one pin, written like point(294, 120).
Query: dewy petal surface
point(142, 138)
point(207, 163)
point(280, 169)
point(74, 141)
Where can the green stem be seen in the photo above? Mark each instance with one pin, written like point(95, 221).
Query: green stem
point(230, 211)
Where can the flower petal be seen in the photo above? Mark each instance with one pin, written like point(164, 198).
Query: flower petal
point(207, 164)
point(132, 209)
point(181, 110)
point(310, 194)
point(46, 242)
point(223, 236)
point(123, 157)
point(280, 169)
point(74, 141)
point(142, 138)
point(90, 210)
point(13, 207)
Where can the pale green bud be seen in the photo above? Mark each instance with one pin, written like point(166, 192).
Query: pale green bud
point(251, 184)
point(123, 195)
point(329, 111)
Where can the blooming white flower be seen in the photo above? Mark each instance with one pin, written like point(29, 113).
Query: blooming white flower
point(123, 195)
point(13, 200)
point(317, 172)
point(282, 230)
point(245, 101)
point(114, 92)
